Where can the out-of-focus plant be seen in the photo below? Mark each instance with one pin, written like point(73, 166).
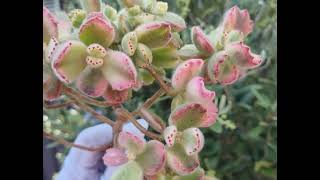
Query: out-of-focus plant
point(218, 54)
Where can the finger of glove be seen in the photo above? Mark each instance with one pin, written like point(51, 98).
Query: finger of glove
point(81, 164)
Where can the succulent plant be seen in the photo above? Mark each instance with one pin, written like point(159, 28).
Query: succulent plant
point(111, 52)
point(136, 156)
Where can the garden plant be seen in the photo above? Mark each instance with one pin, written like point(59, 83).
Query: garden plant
point(100, 57)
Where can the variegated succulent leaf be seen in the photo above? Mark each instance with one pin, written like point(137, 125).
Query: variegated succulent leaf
point(184, 72)
point(143, 18)
point(221, 69)
point(50, 25)
point(97, 29)
point(236, 19)
point(129, 43)
point(234, 36)
point(96, 50)
point(176, 22)
point(128, 171)
point(94, 62)
point(176, 41)
point(154, 34)
point(165, 57)
point(201, 41)
point(143, 55)
point(152, 159)
point(115, 157)
point(119, 70)
point(241, 55)
point(69, 60)
point(192, 141)
point(50, 48)
point(179, 162)
point(217, 37)
point(196, 92)
point(77, 16)
point(188, 115)
point(189, 51)
point(91, 82)
point(169, 135)
point(133, 144)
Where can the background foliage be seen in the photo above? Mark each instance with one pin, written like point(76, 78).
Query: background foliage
point(242, 145)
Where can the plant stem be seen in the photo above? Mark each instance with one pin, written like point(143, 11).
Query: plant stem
point(150, 101)
point(70, 144)
point(131, 118)
point(154, 121)
point(88, 109)
point(146, 105)
point(68, 91)
point(57, 105)
point(117, 128)
point(226, 91)
point(159, 79)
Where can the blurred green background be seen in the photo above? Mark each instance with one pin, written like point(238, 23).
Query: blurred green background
point(242, 145)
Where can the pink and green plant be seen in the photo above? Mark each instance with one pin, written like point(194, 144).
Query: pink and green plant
point(111, 53)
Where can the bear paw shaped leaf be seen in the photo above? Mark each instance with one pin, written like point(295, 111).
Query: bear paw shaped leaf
point(50, 25)
point(191, 139)
point(201, 41)
point(154, 34)
point(96, 28)
point(194, 98)
point(184, 72)
point(236, 19)
point(226, 67)
point(147, 158)
point(181, 163)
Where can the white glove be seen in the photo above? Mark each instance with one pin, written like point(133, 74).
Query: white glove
point(86, 165)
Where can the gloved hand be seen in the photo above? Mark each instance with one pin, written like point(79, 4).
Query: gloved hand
point(86, 165)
